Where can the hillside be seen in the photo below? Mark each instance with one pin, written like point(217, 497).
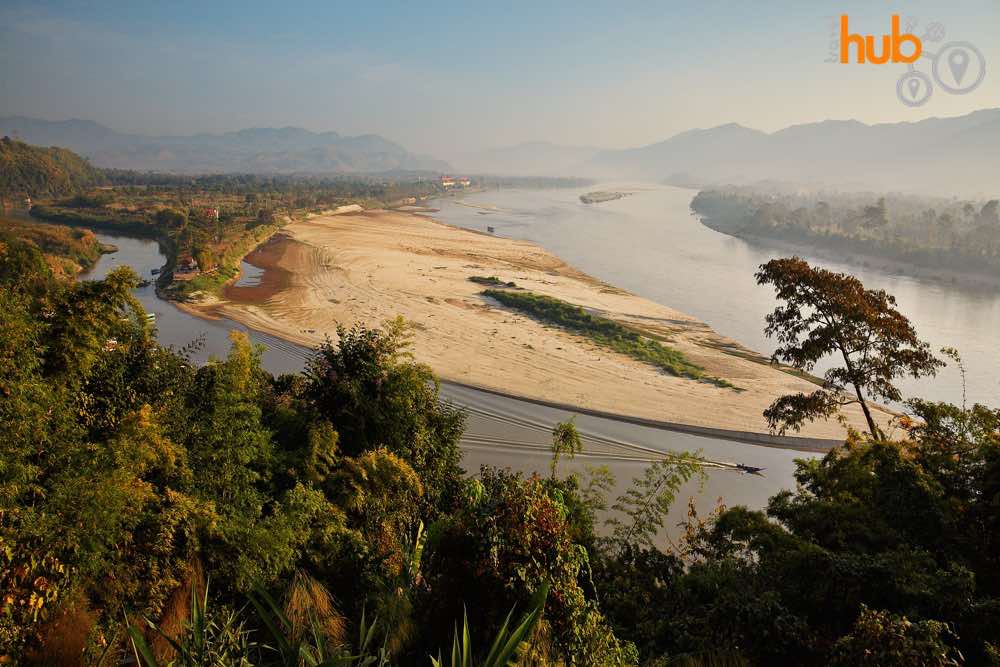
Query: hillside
point(253, 150)
point(66, 250)
point(939, 155)
point(36, 171)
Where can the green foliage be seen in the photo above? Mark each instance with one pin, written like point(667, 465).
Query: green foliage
point(368, 386)
point(492, 281)
point(208, 638)
point(908, 528)
point(644, 507)
point(509, 538)
point(69, 250)
point(881, 639)
point(565, 441)
point(932, 234)
point(825, 313)
point(35, 171)
point(604, 332)
point(507, 643)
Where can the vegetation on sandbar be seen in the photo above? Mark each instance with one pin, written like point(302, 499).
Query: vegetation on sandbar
point(492, 281)
point(603, 331)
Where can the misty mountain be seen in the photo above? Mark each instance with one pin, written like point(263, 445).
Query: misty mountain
point(534, 158)
point(943, 155)
point(253, 150)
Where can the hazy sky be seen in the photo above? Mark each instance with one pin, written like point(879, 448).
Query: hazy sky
point(443, 78)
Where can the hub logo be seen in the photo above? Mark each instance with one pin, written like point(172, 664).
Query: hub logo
point(957, 68)
point(891, 45)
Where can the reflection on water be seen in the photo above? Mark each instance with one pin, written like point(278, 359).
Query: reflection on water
point(651, 244)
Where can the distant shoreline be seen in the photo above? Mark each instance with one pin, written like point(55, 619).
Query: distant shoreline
point(865, 260)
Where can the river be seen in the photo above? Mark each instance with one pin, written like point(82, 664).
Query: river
point(500, 431)
point(651, 244)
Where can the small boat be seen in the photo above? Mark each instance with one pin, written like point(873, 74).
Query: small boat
point(749, 469)
point(490, 230)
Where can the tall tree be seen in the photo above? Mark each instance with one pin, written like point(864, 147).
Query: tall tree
point(826, 313)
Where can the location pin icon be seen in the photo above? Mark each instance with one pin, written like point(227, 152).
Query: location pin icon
point(958, 63)
point(914, 85)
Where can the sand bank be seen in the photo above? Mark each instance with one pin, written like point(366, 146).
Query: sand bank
point(370, 267)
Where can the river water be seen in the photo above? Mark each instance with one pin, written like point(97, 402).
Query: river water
point(651, 244)
point(500, 431)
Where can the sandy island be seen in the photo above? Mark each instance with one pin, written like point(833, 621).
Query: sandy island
point(372, 266)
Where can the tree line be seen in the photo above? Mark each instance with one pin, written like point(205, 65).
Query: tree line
point(924, 231)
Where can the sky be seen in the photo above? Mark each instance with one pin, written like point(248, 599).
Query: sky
point(451, 78)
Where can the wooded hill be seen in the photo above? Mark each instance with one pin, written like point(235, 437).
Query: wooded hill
point(35, 171)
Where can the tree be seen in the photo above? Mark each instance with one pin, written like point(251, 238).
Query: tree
point(375, 395)
point(565, 440)
point(875, 217)
point(828, 313)
point(881, 639)
point(645, 506)
point(989, 214)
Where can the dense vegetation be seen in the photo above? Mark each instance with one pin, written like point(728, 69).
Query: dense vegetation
point(129, 478)
point(42, 172)
point(67, 250)
point(606, 333)
point(925, 232)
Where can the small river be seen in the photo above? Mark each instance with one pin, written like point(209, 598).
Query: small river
point(651, 244)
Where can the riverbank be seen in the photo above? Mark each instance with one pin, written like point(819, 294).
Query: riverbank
point(853, 254)
point(370, 267)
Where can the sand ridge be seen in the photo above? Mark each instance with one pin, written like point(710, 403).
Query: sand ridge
point(372, 266)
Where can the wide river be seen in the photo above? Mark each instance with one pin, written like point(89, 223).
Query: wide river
point(651, 244)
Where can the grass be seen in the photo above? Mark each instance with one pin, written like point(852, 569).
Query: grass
point(493, 281)
point(605, 332)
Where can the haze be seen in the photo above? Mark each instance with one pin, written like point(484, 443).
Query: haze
point(447, 79)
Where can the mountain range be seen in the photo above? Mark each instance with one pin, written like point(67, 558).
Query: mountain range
point(254, 150)
point(950, 156)
point(956, 155)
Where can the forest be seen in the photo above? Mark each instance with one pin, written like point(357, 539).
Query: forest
point(156, 512)
point(27, 170)
point(927, 232)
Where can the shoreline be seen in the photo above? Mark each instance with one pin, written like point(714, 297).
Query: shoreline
point(865, 260)
point(368, 267)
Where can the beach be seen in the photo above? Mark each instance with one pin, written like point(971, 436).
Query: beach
point(369, 267)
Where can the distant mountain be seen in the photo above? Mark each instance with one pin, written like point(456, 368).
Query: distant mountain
point(942, 155)
point(32, 170)
point(536, 158)
point(254, 150)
